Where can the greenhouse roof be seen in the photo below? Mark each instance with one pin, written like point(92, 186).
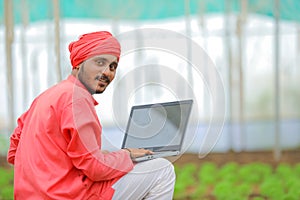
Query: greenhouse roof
point(146, 9)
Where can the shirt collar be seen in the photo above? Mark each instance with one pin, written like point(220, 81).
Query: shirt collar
point(74, 80)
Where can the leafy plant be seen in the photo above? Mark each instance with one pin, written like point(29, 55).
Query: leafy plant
point(6, 183)
point(231, 181)
point(235, 181)
point(208, 173)
point(184, 178)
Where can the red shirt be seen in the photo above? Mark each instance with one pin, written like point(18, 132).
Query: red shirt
point(56, 146)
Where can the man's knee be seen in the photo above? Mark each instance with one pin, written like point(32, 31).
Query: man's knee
point(158, 169)
point(166, 166)
point(159, 164)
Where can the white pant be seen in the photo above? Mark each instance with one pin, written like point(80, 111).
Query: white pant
point(153, 179)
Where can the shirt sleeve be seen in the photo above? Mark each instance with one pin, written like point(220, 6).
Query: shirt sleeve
point(14, 139)
point(84, 149)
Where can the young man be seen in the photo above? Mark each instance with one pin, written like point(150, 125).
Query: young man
point(56, 146)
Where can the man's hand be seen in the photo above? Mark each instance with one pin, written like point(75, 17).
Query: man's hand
point(105, 151)
point(135, 153)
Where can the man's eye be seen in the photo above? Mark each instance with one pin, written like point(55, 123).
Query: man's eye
point(113, 67)
point(100, 63)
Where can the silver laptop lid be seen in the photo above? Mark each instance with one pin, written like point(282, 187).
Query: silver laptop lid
point(158, 127)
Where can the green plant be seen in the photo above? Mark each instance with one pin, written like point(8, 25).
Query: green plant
point(7, 192)
point(199, 192)
point(6, 183)
point(208, 173)
point(184, 179)
point(297, 170)
point(233, 181)
point(272, 187)
point(284, 170)
point(223, 190)
point(228, 172)
point(6, 177)
point(254, 173)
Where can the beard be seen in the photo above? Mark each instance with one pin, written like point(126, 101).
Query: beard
point(105, 81)
point(100, 81)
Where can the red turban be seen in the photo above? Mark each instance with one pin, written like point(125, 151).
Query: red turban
point(92, 44)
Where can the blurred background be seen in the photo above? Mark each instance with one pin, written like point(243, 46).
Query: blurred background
point(254, 45)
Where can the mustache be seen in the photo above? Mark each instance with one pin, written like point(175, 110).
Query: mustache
point(102, 78)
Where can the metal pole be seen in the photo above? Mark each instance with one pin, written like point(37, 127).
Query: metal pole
point(24, 53)
point(277, 149)
point(241, 21)
point(202, 25)
point(189, 47)
point(9, 37)
point(229, 71)
point(57, 37)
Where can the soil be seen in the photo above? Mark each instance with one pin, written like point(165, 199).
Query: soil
point(3, 162)
point(289, 156)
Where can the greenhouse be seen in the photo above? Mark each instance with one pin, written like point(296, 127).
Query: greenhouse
point(238, 60)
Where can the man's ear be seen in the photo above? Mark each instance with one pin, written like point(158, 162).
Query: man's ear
point(78, 66)
point(75, 70)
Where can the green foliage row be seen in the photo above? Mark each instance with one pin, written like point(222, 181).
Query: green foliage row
point(231, 181)
point(235, 181)
point(6, 184)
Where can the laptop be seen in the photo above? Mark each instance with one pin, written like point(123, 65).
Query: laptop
point(159, 127)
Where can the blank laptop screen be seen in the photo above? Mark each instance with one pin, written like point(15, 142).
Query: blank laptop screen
point(157, 126)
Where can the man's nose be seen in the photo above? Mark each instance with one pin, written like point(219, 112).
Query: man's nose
point(107, 72)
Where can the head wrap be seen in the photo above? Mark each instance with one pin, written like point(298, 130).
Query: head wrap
point(92, 44)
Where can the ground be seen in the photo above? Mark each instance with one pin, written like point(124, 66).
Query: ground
point(291, 157)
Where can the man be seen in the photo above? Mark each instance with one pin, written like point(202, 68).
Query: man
point(56, 146)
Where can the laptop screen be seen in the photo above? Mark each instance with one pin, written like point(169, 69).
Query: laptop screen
point(157, 126)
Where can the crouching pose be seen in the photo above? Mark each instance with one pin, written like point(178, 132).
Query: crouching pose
point(56, 146)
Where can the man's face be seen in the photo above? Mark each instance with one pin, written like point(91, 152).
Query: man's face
point(97, 72)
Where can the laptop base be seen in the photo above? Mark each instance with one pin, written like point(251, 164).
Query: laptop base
point(155, 155)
